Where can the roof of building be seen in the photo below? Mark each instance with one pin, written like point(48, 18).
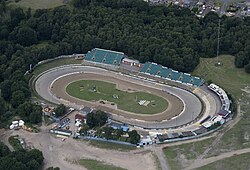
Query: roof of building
point(200, 130)
point(81, 117)
point(187, 133)
point(168, 73)
point(104, 56)
point(86, 109)
point(223, 112)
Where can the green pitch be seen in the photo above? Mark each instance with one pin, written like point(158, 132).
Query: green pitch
point(93, 90)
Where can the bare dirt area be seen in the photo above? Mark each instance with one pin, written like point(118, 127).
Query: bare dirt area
point(175, 105)
point(61, 154)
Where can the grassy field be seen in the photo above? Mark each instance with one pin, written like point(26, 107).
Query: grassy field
point(91, 164)
point(55, 63)
point(233, 80)
point(239, 162)
point(176, 154)
point(36, 4)
point(112, 146)
point(93, 90)
point(14, 142)
point(227, 76)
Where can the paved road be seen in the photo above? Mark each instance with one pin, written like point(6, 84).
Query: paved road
point(192, 109)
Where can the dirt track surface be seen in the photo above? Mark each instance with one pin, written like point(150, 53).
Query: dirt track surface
point(192, 104)
point(175, 105)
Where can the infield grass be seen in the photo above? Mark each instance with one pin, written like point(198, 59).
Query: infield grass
point(91, 164)
point(94, 90)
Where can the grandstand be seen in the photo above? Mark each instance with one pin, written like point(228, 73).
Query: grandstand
point(154, 69)
point(116, 58)
point(104, 56)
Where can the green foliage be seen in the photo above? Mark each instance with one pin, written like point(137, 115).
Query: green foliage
point(247, 68)
point(60, 110)
point(20, 160)
point(241, 59)
point(26, 36)
point(30, 112)
point(170, 36)
point(134, 137)
point(112, 146)
point(4, 150)
point(17, 98)
point(37, 155)
point(52, 168)
point(84, 129)
point(13, 140)
point(97, 119)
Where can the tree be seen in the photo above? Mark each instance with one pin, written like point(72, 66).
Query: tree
point(108, 132)
point(247, 68)
point(134, 137)
point(60, 110)
point(2, 106)
point(241, 59)
point(97, 119)
point(35, 117)
point(5, 89)
point(101, 117)
point(33, 164)
point(20, 160)
point(36, 155)
point(4, 150)
point(17, 98)
point(84, 129)
point(52, 168)
point(26, 36)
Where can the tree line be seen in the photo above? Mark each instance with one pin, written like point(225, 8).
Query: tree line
point(20, 160)
point(171, 36)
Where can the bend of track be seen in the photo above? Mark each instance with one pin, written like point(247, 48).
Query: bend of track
point(192, 104)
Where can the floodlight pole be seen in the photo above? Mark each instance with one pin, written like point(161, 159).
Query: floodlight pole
point(218, 42)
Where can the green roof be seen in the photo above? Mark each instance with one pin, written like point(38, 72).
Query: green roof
point(104, 56)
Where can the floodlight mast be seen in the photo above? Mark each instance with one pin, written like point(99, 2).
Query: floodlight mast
point(218, 42)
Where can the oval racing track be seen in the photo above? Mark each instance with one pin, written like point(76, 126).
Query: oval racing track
point(192, 104)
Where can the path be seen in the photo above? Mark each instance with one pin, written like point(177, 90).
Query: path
point(200, 161)
point(206, 161)
point(161, 157)
point(4, 138)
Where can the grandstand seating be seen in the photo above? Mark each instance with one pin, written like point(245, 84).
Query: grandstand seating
point(197, 81)
point(154, 68)
point(164, 72)
point(115, 58)
point(186, 78)
point(175, 75)
point(104, 56)
point(145, 67)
